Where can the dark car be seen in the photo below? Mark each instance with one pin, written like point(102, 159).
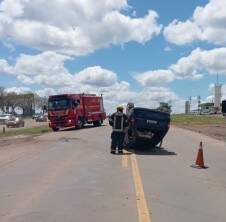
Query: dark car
point(148, 125)
point(224, 107)
point(15, 122)
point(42, 118)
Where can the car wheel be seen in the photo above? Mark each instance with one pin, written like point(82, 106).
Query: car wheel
point(133, 141)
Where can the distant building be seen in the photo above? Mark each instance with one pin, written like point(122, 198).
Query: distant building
point(195, 112)
point(217, 96)
point(187, 107)
point(206, 108)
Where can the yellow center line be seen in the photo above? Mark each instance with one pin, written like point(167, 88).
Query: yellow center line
point(142, 207)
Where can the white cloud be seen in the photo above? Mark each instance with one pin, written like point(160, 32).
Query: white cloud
point(5, 67)
point(18, 90)
point(48, 69)
point(206, 24)
point(155, 78)
point(194, 66)
point(44, 63)
point(168, 49)
point(73, 27)
point(182, 32)
point(96, 76)
point(211, 88)
point(48, 72)
point(46, 92)
point(121, 94)
point(200, 62)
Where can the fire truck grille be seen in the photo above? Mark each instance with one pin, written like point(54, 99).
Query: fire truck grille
point(59, 119)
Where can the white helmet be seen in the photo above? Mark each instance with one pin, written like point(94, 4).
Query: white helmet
point(130, 105)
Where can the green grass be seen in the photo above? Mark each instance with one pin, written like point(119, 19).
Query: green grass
point(197, 120)
point(26, 131)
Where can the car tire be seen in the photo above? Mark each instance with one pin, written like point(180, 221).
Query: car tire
point(133, 142)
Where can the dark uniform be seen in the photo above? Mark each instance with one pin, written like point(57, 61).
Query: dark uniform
point(119, 122)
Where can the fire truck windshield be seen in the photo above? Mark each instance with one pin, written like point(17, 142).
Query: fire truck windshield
point(59, 103)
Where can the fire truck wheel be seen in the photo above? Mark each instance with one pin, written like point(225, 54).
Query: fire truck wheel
point(79, 124)
point(55, 129)
point(97, 123)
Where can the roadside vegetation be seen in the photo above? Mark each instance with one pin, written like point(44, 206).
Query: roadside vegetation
point(26, 131)
point(182, 119)
point(213, 126)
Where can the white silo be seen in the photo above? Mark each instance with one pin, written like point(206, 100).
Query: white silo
point(187, 107)
point(217, 95)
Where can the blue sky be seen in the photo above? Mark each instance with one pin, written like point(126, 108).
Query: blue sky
point(117, 56)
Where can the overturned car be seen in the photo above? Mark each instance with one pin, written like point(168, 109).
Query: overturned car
point(147, 126)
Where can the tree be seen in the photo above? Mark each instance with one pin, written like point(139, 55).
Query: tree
point(40, 102)
point(2, 92)
point(27, 102)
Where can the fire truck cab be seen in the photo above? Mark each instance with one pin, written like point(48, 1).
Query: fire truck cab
point(75, 110)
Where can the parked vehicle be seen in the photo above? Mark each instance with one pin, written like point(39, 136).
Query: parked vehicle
point(4, 118)
point(42, 118)
point(35, 116)
point(147, 125)
point(15, 122)
point(75, 110)
point(224, 107)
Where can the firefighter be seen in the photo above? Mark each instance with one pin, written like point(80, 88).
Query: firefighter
point(129, 109)
point(119, 122)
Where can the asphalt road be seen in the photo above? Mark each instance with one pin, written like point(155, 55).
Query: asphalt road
point(71, 176)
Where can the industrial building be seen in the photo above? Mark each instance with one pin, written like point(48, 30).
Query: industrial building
point(187, 107)
point(217, 96)
point(207, 108)
point(213, 107)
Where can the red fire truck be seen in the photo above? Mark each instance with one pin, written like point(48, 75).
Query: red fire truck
point(75, 110)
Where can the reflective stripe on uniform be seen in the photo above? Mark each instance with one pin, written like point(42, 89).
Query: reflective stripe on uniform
point(114, 126)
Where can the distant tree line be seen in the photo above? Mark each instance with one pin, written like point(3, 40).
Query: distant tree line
point(27, 102)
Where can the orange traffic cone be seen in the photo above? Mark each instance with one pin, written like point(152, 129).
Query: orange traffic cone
point(200, 159)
